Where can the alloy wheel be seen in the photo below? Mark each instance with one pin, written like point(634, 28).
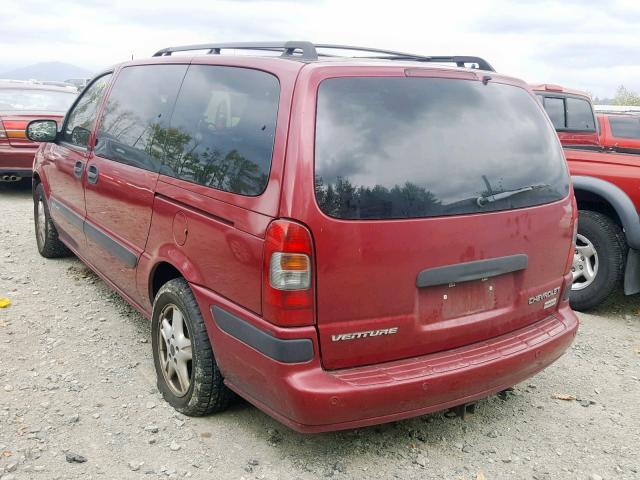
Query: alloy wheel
point(175, 350)
point(41, 223)
point(585, 263)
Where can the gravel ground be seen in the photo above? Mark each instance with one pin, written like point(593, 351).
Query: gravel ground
point(77, 382)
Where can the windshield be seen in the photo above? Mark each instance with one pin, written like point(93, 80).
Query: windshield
point(422, 147)
point(14, 99)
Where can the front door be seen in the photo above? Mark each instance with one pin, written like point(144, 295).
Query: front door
point(122, 170)
point(65, 163)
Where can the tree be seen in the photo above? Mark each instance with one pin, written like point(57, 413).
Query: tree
point(626, 97)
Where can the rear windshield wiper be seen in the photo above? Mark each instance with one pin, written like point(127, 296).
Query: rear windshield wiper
point(484, 200)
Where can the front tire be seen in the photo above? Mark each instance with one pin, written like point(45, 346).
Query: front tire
point(598, 262)
point(188, 375)
point(49, 245)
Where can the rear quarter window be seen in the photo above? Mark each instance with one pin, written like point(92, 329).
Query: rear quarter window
point(223, 128)
point(421, 147)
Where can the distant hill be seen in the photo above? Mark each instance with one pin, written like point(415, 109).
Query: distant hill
point(57, 71)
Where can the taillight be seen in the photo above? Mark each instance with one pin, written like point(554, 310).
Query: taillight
point(287, 298)
point(15, 128)
point(3, 133)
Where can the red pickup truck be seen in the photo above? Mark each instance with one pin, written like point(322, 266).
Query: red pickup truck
point(603, 154)
point(620, 132)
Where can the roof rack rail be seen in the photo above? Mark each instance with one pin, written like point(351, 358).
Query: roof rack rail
point(301, 50)
point(288, 49)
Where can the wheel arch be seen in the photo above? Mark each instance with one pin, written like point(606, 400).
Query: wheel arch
point(607, 198)
point(162, 272)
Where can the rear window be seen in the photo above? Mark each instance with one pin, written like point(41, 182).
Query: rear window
point(570, 114)
point(625, 127)
point(422, 147)
point(14, 99)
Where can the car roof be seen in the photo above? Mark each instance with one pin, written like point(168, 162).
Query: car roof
point(278, 61)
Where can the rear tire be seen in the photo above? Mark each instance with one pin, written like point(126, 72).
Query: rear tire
point(49, 245)
point(178, 332)
point(597, 232)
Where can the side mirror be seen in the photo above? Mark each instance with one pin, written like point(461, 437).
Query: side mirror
point(42, 131)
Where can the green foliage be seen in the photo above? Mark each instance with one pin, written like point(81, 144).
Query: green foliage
point(626, 97)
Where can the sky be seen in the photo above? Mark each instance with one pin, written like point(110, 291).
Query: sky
point(589, 45)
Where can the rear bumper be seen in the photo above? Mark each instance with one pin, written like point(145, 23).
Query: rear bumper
point(308, 398)
point(16, 161)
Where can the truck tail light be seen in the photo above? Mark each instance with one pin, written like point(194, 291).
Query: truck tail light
point(288, 286)
point(3, 133)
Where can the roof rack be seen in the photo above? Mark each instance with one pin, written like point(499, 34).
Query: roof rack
point(308, 51)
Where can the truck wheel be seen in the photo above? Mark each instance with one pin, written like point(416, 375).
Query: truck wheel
point(49, 245)
point(188, 375)
point(598, 261)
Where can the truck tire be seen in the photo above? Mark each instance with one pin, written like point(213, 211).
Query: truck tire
point(598, 261)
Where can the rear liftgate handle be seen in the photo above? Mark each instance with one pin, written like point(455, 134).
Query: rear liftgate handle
point(92, 174)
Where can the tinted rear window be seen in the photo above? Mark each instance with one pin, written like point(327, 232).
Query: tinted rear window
point(570, 114)
point(625, 127)
point(13, 99)
point(422, 147)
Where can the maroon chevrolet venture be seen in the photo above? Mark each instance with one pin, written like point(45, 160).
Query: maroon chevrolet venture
point(341, 240)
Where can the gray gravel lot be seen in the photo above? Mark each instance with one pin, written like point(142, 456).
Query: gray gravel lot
point(76, 377)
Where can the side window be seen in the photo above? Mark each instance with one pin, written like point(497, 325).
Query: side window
point(80, 120)
point(625, 127)
point(579, 115)
point(134, 124)
point(555, 110)
point(223, 128)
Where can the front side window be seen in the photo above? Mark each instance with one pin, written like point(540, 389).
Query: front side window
point(81, 118)
point(134, 123)
point(625, 127)
point(223, 128)
point(389, 148)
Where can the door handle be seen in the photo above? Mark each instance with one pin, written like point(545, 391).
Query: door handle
point(77, 170)
point(92, 174)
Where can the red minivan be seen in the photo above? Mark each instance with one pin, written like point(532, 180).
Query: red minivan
point(341, 241)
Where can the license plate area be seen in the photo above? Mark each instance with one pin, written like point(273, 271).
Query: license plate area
point(461, 299)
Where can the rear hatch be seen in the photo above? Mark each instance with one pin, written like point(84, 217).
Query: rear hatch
point(15, 123)
point(444, 217)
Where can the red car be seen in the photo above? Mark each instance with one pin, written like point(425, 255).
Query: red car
point(341, 241)
point(21, 102)
point(620, 132)
point(605, 175)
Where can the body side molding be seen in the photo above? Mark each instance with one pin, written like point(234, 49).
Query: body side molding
point(286, 351)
